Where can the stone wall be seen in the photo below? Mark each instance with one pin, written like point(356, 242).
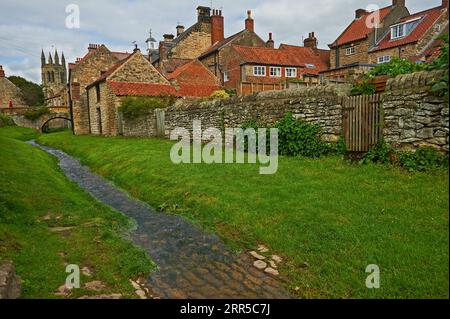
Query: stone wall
point(322, 105)
point(413, 115)
point(142, 126)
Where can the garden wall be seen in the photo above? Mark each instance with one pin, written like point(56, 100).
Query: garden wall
point(321, 104)
point(413, 115)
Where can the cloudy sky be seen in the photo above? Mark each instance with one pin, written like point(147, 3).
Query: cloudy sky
point(28, 26)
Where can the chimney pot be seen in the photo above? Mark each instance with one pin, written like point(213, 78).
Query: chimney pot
point(270, 42)
point(180, 29)
point(249, 22)
point(168, 37)
point(2, 72)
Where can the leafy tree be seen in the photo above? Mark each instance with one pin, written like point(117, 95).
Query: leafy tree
point(32, 93)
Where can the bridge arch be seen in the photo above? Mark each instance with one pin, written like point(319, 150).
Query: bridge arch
point(47, 119)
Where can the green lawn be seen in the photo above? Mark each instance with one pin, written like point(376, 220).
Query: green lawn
point(35, 201)
point(335, 217)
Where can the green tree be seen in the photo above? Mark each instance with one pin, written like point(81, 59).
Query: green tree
point(32, 92)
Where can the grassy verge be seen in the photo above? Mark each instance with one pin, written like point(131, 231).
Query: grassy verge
point(47, 222)
point(327, 218)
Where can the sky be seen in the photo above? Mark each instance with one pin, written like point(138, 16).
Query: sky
point(27, 26)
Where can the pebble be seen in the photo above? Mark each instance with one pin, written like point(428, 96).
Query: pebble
point(257, 256)
point(86, 271)
point(273, 264)
point(277, 259)
point(260, 264)
point(272, 271)
point(135, 285)
point(94, 285)
point(263, 249)
point(141, 294)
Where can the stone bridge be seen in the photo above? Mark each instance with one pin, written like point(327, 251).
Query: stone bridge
point(57, 117)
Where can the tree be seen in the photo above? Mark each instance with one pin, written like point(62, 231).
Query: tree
point(32, 92)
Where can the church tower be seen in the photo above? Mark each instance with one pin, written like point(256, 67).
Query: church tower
point(53, 74)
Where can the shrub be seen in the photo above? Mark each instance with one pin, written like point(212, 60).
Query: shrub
point(298, 138)
point(423, 159)
point(5, 120)
point(219, 95)
point(440, 87)
point(231, 92)
point(381, 153)
point(35, 112)
point(363, 88)
point(132, 107)
point(396, 67)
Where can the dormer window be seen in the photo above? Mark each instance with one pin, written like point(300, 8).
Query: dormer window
point(402, 30)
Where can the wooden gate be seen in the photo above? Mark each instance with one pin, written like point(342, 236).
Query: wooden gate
point(362, 122)
point(160, 118)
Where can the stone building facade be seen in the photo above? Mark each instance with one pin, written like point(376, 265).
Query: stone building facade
point(82, 73)
point(133, 76)
point(398, 34)
point(10, 95)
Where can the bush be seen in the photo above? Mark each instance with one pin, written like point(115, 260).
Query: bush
point(363, 88)
point(440, 87)
point(132, 107)
point(219, 95)
point(381, 153)
point(5, 120)
point(298, 138)
point(35, 112)
point(396, 67)
point(423, 159)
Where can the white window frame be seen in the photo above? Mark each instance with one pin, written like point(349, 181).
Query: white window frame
point(291, 72)
point(384, 59)
point(398, 31)
point(259, 70)
point(226, 76)
point(350, 51)
point(275, 72)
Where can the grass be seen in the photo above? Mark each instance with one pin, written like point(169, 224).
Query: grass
point(335, 217)
point(36, 200)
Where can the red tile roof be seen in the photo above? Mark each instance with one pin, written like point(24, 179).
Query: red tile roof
point(358, 29)
point(320, 58)
point(269, 56)
point(141, 89)
point(194, 79)
point(428, 18)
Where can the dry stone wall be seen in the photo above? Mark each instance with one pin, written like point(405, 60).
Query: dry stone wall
point(413, 115)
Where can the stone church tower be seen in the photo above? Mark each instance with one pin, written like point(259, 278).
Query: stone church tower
point(54, 74)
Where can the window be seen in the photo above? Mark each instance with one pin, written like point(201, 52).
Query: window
point(404, 29)
point(384, 59)
point(398, 31)
point(275, 71)
point(259, 71)
point(310, 66)
point(350, 51)
point(226, 77)
point(291, 72)
point(97, 91)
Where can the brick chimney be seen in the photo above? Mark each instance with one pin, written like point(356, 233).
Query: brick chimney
point(249, 22)
point(217, 26)
point(180, 30)
point(398, 3)
point(359, 13)
point(2, 72)
point(270, 43)
point(93, 47)
point(445, 4)
point(310, 41)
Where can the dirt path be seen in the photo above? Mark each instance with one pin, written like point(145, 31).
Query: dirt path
point(192, 263)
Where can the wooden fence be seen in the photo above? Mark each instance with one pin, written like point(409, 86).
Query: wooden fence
point(362, 122)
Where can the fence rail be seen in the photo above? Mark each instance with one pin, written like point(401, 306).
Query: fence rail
point(362, 122)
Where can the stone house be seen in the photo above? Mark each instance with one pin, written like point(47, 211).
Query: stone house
point(10, 95)
point(188, 44)
point(220, 50)
point(398, 34)
point(412, 36)
point(253, 69)
point(132, 76)
point(83, 72)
